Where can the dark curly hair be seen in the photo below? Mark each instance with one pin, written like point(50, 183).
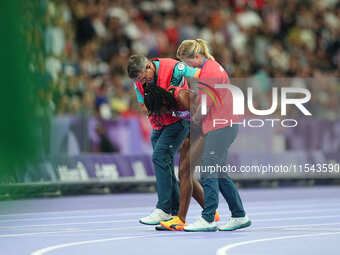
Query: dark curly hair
point(158, 101)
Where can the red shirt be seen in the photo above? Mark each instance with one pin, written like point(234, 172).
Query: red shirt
point(166, 68)
point(221, 107)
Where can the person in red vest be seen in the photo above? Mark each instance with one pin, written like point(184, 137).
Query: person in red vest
point(177, 101)
point(168, 132)
point(217, 141)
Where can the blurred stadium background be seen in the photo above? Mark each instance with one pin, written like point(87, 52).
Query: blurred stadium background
point(88, 130)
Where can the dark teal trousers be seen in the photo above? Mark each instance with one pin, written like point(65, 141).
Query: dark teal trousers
point(165, 143)
point(215, 152)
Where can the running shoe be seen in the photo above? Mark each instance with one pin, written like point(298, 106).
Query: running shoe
point(161, 228)
point(174, 224)
point(201, 225)
point(155, 217)
point(235, 223)
point(217, 217)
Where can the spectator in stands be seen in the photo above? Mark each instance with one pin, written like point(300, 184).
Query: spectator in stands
point(91, 40)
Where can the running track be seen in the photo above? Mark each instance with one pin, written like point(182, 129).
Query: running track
point(301, 221)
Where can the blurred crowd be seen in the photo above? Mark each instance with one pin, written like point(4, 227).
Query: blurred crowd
point(88, 43)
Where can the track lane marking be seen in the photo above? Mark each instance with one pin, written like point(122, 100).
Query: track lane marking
point(225, 249)
point(142, 213)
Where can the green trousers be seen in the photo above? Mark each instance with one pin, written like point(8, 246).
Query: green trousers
point(215, 152)
point(165, 143)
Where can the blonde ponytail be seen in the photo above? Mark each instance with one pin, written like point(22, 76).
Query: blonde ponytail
point(190, 48)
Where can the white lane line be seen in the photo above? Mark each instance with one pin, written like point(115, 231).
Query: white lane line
point(108, 210)
point(65, 245)
point(75, 223)
point(225, 249)
point(62, 218)
point(152, 228)
point(288, 206)
point(76, 211)
point(74, 231)
point(293, 212)
point(249, 206)
point(136, 220)
point(142, 213)
point(117, 214)
point(288, 226)
point(297, 218)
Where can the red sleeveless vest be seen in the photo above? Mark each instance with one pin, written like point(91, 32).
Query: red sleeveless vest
point(222, 108)
point(166, 68)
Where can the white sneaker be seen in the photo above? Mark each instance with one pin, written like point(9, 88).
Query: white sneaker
point(201, 225)
point(155, 217)
point(236, 223)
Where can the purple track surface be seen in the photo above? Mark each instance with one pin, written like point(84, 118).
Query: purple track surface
point(302, 221)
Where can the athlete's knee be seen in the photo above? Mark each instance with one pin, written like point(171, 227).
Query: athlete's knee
point(186, 143)
point(184, 173)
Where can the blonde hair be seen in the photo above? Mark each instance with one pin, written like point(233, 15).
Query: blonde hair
point(190, 48)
